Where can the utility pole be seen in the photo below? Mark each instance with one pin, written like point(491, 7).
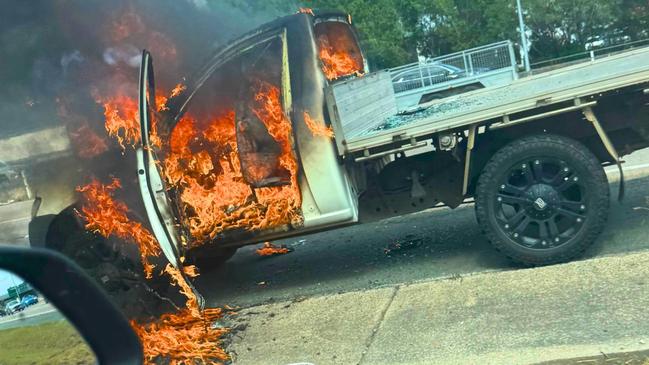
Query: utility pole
point(524, 46)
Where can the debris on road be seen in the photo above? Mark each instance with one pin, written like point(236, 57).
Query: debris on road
point(408, 242)
point(271, 250)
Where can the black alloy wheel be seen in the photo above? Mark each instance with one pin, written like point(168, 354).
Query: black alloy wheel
point(542, 199)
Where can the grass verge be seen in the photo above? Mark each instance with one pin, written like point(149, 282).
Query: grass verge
point(50, 343)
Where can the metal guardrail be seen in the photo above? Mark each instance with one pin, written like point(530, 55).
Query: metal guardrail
point(452, 67)
point(590, 55)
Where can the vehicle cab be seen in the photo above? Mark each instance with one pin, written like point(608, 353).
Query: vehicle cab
point(245, 153)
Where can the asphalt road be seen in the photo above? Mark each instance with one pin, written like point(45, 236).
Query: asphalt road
point(36, 314)
point(436, 243)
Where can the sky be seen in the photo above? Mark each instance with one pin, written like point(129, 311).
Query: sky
point(6, 281)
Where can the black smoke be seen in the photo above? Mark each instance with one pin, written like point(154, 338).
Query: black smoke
point(54, 48)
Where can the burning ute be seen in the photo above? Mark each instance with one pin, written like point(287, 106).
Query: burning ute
point(235, 141)
point(283, 131)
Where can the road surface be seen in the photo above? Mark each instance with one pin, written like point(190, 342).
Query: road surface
point(36, 314)
point(436, 243)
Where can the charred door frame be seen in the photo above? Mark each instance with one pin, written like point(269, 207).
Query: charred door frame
point(160, 218)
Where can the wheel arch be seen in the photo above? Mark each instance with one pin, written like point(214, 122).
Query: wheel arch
point(571, 125)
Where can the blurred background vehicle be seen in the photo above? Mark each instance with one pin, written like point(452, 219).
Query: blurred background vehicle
point(29, 300)
point(14, 306)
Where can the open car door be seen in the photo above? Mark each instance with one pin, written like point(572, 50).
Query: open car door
point(152, 189)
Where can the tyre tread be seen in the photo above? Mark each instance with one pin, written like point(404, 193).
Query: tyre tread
point(584, 156)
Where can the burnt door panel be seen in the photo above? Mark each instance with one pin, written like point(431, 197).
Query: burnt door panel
point(152, 188)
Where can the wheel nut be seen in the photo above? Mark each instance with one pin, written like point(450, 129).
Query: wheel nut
point(502, 186)
point(556, 239)
point(537, 162)
point(506, 226)
point(583, 207)
point(500, 199)
point(543, 243)
point(576, 178)
point(524, 165)
point(566, 169)
point(515, 234)
point(578, 220)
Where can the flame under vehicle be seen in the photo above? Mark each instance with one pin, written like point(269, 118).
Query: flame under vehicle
point(285, 131)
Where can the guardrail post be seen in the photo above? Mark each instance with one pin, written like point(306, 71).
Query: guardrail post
point(592, 56)
point(512, 59)
point(464, 62)
point(421, 75)
point(470, 57)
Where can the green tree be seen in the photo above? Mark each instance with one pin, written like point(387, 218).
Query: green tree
point(444, 26)
point(394, 32)
point(383, 34)
point(561, 27)
point(633, 18)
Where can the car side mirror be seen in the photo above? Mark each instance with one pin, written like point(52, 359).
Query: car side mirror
point(76, 296)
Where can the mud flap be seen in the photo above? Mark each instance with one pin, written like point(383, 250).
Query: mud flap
point(591, 117)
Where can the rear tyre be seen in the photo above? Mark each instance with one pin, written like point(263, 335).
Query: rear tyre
point(542, 199)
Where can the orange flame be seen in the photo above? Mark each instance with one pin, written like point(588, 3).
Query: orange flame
point(339, 54)
point(305, 11)
point(204, 166)
point(191, 271)
point(270, 250)
point(177, 90)
point(177, 279)
point(183, 338)
point(318, 128)
point(187, 336)
point(106, 216)
point(337, 64)
point(122, 120)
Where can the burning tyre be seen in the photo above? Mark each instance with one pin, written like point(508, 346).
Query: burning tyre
point(542, 199)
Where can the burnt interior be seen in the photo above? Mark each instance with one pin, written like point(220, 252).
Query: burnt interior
point(228, 153)
point(338, 48)
point(259, 152)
